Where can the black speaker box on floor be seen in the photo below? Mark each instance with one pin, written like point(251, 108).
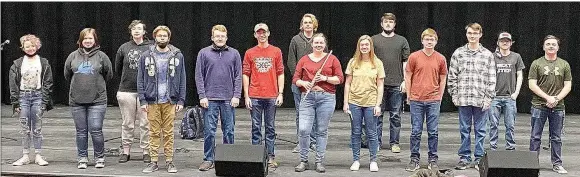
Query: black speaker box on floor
point(240, 160)
point(509, 164)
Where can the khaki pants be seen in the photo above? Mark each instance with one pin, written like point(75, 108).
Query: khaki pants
point(161, 117)
point(131, 112)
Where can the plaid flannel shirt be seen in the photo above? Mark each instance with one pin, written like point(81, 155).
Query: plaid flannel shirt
point(471, 78)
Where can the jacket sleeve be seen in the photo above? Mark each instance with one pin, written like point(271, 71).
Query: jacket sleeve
point(199, 75)
point(47, 86)
point(14, 86)
point(119, 61)
point(292, 58)
point(238, 76)
point(183, 81)
point(140, 80)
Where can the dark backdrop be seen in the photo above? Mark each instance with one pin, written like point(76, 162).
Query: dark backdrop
point(58, 25)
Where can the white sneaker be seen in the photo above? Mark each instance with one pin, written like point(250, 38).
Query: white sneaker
point(40, 160)
point(374, 167)
point(355, 166)
point(100, 163)
point(82, 165)
point(559, 169)
point(22, 161)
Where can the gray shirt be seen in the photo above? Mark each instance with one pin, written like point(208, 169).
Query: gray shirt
point(507, 68)
point(162, 62)
point(392, 51)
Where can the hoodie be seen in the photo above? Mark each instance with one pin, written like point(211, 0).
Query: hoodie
point(299, 46)
point(148, 73)
point(127, 62)
point(87, 73)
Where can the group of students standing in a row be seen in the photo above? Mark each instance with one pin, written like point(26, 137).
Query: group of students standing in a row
point(153, 88)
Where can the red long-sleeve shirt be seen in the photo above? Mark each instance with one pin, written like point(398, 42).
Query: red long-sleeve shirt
point(306, 70)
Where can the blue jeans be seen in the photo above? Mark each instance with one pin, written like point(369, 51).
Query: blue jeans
point(359, 115)
point(226, 112)
point(507, 107)
point(267, 109)
point(318, 108)
point(556, 122)
point(471, 115)
point(297, 96)
point(424, 111)
point(31, 120)
point(392, 102)
point(89, 118)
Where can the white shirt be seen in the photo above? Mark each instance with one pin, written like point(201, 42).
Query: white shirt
point(31, 73)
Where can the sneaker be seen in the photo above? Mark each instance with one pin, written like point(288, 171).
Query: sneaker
point(355, 166)
point(374, 167)
point(206, 165)
point(124, 158)
point(412, 166)
point(272, 163)
point(151, 167)
point(462, 165)
point(395, 148)
point(320, 168)
point(296, 149)
point(82, 165)
point(22, 161)
point(100, 163)
point(476, 164)
point(559, 169)
point(146, 158)
point(40, 160)
point(301, 167)
point(170, 167)
point(433, 166)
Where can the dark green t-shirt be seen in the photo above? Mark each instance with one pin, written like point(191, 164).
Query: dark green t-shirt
point(550, 76)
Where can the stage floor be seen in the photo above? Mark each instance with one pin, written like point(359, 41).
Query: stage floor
point(60, 150)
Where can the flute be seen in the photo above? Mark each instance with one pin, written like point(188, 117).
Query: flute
point(317, 73)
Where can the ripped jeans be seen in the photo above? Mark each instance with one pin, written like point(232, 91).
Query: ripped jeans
point(31, 120)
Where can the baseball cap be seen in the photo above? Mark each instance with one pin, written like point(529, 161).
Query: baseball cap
point(505, 35)
point(261, 26)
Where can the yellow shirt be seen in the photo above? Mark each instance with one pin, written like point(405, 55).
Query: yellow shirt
point(363, 87)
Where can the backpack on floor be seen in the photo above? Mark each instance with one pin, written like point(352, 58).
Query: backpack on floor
point(192, 124)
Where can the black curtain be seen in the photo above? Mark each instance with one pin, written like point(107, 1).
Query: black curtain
point(58, 25)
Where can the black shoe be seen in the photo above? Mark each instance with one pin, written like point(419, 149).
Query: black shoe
point(124, 158)
point(146, 158)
